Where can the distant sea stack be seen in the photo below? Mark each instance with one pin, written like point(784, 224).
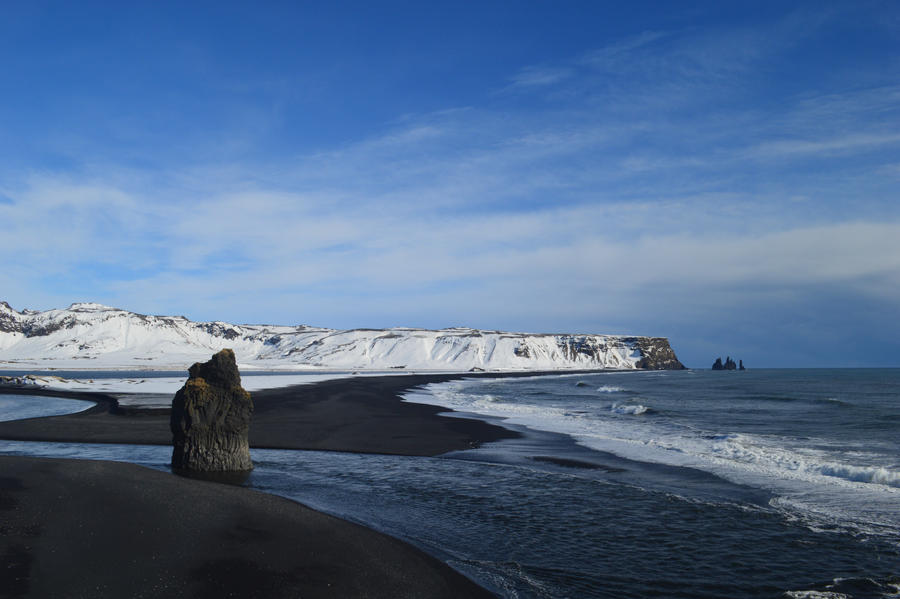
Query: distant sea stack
point(211, 418)
point(728, 365)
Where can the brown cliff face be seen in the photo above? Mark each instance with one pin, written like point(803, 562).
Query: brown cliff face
point(211, 418)
point(656, 354)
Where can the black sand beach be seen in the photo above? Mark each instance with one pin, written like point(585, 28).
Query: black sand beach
point(363, 414)
point(79, 528)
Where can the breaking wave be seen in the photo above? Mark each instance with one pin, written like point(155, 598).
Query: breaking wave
point(848, 588)
point(840, 479)
point(633, 409)
point(862, 474)
point(756, 452)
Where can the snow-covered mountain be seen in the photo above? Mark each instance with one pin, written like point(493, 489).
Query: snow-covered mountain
point(92, 336)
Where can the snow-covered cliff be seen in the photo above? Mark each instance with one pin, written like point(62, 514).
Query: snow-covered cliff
point(88, 335)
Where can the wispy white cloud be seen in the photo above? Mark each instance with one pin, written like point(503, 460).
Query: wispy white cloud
point(644, 195)
point(536, 76)
point(284, 237)
point(821, 147)
point(612, 54)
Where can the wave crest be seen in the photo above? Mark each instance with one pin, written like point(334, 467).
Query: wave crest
point(862, 474)
point(632, 409)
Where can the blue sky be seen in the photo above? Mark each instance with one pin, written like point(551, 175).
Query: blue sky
point(724, 174)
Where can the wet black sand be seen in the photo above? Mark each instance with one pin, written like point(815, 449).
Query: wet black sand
point(81, 528)
point(78, 528)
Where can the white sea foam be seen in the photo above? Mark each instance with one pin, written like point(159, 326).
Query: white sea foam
point(873, 587)
point(815, 595)
point(837, 488)
point(635, 409)
point(797, 461)
point(609, 389)
point(864, 474)
point(755, 454)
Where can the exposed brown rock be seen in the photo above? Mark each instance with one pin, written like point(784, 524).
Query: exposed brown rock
point(211, 418)
point(656, 354)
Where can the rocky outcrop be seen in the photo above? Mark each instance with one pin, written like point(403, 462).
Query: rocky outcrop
point(211, 418)
point(656, 354)
point(728, 365)
point(30, 380)
point(10, 320)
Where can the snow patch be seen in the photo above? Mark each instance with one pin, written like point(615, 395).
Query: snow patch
point(91, 336)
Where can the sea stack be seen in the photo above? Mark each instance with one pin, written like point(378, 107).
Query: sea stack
point(728, 365)
point(211, 418)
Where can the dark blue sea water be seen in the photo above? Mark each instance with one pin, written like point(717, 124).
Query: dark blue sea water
point(768, 483)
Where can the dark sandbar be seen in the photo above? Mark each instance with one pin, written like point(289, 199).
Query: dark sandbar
point(361, 414)
point(572, 463)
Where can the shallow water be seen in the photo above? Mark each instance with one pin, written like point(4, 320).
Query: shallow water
point(544, 516)
point(18, 407)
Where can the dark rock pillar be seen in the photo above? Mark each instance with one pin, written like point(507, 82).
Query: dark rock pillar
point(211, 418)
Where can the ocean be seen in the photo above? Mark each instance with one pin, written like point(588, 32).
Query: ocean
point(762, 483)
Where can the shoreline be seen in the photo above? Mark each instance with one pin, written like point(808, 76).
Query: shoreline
point(273, 547)
point(360, 414)
point(108, 505)
point(363, 414)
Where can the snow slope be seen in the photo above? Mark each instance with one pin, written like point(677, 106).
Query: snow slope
point(94, 336)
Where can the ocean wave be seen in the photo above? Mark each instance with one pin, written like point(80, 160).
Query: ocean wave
point(862, 474)
point(609, 389)
point(848, 486)
point(828, 401)
point(833, 401)
point(633, 409)
point(749, 450)
point(841, 588)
